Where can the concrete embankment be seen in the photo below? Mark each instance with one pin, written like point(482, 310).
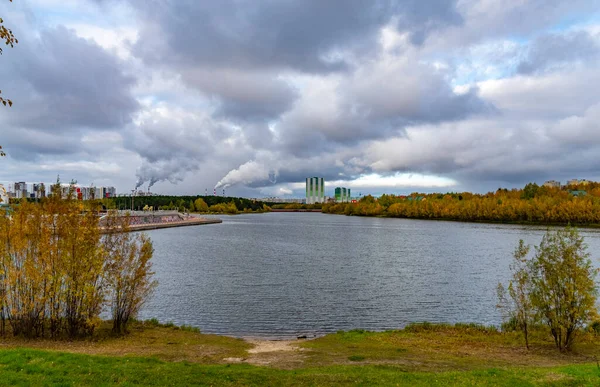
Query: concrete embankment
point(139, 221)
point(190, 222)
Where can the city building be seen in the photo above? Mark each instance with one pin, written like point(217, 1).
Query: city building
point(315, 190)
point(552, 184)
point(36, 191)
point(20, 190)
point(342, 195)
point(39, 191)
point(578, 182)
point(88, 193)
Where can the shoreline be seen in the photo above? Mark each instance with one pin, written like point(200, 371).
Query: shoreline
point(182, 355)
point(492, 222)
point(183, 223)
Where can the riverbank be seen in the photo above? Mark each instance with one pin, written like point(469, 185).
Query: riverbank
point(192, 221)
point(155, 354)
point(295, 210)
point(478, 221)
point(142, 220)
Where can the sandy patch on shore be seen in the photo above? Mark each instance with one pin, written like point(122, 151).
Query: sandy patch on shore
point(262, 346)
point(275, 353)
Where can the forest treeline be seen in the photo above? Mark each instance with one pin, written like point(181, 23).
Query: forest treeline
point(187, 203)
point(532, 204)
point(59, 270)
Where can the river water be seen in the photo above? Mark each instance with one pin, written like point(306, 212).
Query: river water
point(279, 275)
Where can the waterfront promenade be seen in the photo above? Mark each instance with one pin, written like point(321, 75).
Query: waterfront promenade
point(145, 220)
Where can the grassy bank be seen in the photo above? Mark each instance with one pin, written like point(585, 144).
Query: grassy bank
point(31, 367)
point(154, 354)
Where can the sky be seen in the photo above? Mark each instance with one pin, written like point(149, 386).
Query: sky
point(253, 96)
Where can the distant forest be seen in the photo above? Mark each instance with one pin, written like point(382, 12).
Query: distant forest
point(185, 203)
point(576, 204)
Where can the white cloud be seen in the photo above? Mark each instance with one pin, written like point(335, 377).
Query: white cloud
point(117, 40)
point(396, 181)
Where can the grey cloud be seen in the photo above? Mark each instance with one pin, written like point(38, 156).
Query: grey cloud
point(243, 95)
point(234, 51)
point(173, 142)
point(62, 86)
point(278, 34)
point(552, 50)
point(502, 150)
point(29, 144)
point(409, 93)
point(61, 81)
point(486, 20)
point(546, 96)
point(378, 100)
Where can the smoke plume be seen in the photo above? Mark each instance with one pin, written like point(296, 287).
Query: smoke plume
point(247, 173)
point(172, 171)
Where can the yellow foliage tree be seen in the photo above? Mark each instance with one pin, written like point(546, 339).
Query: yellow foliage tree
point(58, 271)
point(200, 205)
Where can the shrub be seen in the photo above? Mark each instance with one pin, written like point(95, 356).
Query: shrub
point(57, 270)
point(555, 287)
point(594, 327)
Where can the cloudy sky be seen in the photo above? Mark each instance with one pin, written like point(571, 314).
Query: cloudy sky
point(255, 95)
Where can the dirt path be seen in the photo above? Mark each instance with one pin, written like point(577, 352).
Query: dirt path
point(274, 353)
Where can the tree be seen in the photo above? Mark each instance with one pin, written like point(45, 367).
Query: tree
point(563, 285)
point(200, 205)
point(129, 272)
point(518, 307)
point(556, 287)
point(530, 191)
point(59, 267)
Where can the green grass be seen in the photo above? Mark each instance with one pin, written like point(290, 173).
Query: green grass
point(427, 347)
point(422, 354)
point(32, 367)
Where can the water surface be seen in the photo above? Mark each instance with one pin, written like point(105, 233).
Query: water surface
point(279, 275)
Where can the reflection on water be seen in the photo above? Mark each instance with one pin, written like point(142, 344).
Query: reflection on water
point(284, 274)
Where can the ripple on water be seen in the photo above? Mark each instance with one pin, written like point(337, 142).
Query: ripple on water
point(281, 274)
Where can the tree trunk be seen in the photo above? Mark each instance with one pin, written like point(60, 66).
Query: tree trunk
point(3, 322)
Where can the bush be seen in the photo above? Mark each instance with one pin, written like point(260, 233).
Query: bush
point(556, 287)
point(58, 271)
point(511, 325)
point(594, 327)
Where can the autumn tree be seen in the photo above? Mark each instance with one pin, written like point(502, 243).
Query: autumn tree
point(515, 302)
point(563, 285)
point(129, 272)
point(60, 266)
point(200, 205)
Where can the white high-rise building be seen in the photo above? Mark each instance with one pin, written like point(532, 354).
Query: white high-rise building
point(315, 190)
